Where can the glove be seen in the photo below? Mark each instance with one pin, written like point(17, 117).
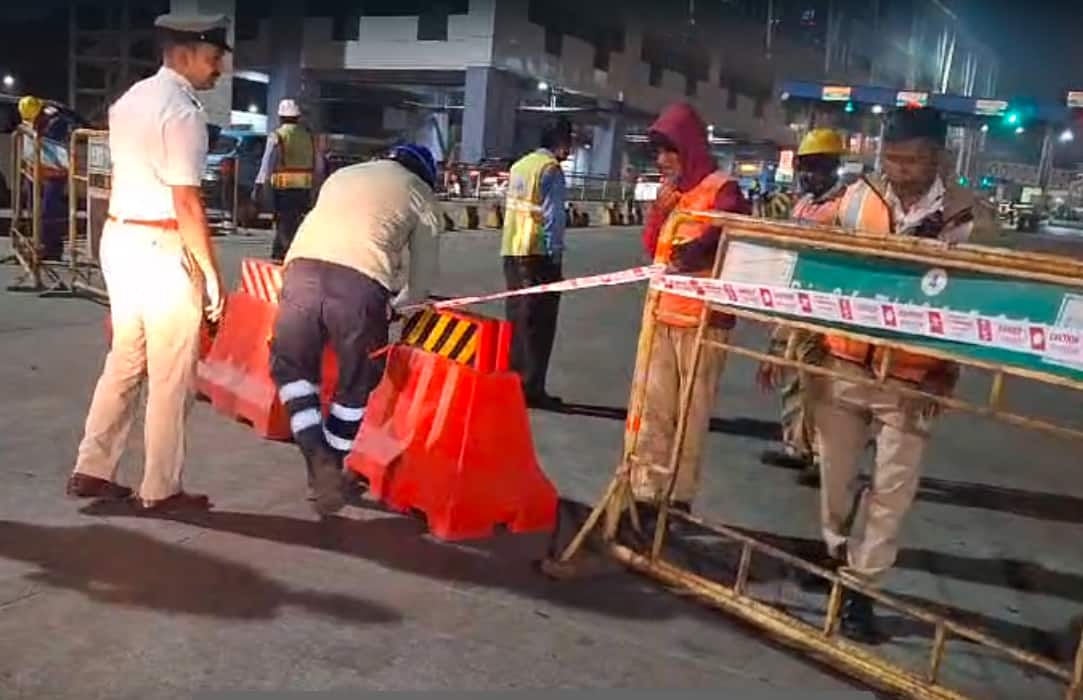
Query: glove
point(216, 301)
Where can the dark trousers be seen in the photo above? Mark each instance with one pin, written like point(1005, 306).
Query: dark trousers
point(290, 207)
point(534, 318)
point(54, 215)
point(326, 303)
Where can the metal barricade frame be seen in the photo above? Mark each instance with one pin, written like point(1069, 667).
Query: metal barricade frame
point(615, 512)
point(85, 266)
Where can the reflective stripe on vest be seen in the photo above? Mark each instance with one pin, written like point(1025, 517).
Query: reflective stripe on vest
point(296, 158)
point(675, 310)
point(862, 209)
point(523, 225)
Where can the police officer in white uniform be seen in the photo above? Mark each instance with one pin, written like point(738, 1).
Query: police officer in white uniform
point(158, 260)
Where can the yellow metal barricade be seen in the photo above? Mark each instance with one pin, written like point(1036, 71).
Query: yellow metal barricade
point(26, 209)
point(89, 184)
point(615, 528)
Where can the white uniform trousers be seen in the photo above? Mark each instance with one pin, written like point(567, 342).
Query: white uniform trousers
point(155, 296)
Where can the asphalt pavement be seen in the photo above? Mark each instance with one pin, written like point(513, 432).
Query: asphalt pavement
point(257, 595)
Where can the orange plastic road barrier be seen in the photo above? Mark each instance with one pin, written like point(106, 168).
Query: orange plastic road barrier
point(453, 442)
point(235, 375)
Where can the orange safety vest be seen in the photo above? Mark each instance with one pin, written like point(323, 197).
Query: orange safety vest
point(702, 197)
point(863, 209)
point(809, 211)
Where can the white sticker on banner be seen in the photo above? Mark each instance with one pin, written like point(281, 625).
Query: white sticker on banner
point(1010, 335)
point(757, 264)
point(913, 320)
point(868, 312)
point(961, 327)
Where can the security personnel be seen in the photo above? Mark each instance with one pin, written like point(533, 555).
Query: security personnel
point(909, 199)
point(344, 275)
point(693, 183)
point(157, 258)
point(290, 162)
point(53, 130)
point(533, 250)
point(817, 167)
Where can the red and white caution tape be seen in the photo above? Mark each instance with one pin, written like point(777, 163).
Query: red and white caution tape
point(1059, 344)
point(608, 279)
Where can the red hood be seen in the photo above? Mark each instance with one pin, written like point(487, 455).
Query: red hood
point(683, 127)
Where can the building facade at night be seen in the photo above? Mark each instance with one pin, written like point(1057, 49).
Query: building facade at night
point(474, 79)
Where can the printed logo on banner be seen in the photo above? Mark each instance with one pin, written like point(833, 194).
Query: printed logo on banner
point(985, 330)
point(890, 317)
point(805, 302)
point(936, 323)
point(934, 282)
point(731, 293)
point(767, 298)
point(846, 309)
point(1037, 338)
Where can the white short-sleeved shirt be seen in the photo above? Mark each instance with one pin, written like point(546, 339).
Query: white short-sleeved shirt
point(157, 140)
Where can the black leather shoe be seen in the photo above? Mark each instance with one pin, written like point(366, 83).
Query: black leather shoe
point(544, 402)
point(817, 584)
point(785, 460)
point(86, 486)
point(858, 622)
point(810, 476)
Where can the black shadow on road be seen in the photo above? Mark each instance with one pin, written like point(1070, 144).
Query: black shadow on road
point(402, 543)
point(743, 427)
point(117, 566)
point(1051, 507)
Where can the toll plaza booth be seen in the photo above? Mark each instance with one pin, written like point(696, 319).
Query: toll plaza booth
point(984, 133)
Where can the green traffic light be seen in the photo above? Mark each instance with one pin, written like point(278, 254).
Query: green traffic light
point(1013, 117)
point(849, 107)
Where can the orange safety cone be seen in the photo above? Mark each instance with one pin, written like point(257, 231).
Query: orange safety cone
point(453, 442)
point(236, 373)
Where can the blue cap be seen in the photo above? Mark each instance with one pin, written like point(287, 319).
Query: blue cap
point(417, 159)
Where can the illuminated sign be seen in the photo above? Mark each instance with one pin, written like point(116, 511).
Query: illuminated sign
point(906, 99)
point(836, 93)
point(990, 107)
point(1075, 99)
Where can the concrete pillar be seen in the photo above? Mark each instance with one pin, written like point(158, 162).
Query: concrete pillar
point(492, 98)
point(287, 39)
point(218, 102)
point(608, 148)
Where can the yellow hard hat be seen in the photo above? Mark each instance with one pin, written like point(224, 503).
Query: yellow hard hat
point(30, 107)
point(821, 142)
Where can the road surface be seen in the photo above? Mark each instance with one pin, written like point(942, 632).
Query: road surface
point(256, 595)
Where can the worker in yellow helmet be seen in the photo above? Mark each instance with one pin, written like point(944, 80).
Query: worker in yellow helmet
point(29, 108)
point(817, 172)
point(53, 129)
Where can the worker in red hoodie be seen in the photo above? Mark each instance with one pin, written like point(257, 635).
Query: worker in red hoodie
point(692, 182)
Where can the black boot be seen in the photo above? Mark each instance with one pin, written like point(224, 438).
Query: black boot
point(324, 480)
point(858, 622)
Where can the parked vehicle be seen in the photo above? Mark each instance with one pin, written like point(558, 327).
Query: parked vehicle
point(233, 161)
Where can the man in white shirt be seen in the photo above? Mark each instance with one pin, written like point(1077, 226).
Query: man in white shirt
point(157, 259)
point(345, 271)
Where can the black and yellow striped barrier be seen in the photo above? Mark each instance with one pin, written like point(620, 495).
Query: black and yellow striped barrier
point(477, 341)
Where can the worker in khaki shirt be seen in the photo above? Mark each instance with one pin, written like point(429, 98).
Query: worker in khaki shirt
point(369, 245)
point(157, 259)
point(909, 199)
